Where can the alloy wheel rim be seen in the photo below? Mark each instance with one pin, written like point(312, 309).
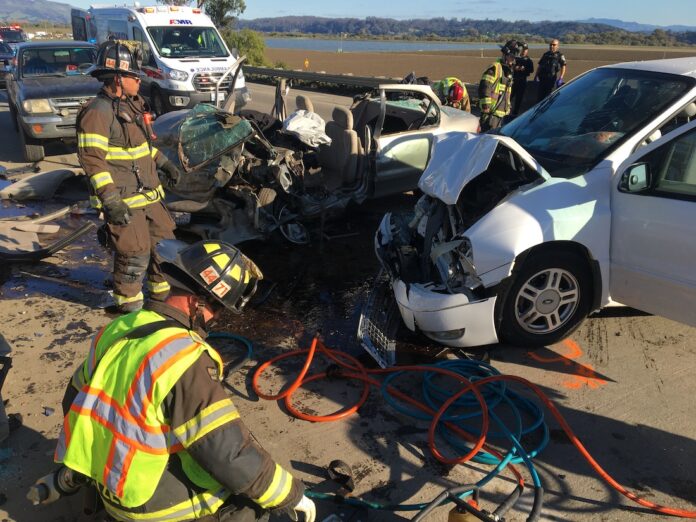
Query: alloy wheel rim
point(547, 300)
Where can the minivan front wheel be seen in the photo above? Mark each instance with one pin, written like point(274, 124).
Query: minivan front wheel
point(548, 299)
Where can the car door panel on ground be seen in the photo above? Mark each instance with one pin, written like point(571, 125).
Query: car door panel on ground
point(653, 245)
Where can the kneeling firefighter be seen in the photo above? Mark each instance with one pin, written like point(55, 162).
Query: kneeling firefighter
point(147, 421)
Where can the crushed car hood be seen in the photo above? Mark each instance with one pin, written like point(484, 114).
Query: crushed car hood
point(459, 157)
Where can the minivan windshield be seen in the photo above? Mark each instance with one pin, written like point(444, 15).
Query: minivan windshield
point(187, 41)
point(575, 127)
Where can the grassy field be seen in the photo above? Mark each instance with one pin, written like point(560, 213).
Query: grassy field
point(466, 65)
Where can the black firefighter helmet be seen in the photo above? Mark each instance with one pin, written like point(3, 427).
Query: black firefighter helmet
point(211, 269)
point(117, 57)
point(511, 47)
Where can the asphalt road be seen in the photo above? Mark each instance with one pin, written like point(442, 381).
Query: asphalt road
point(624, 382)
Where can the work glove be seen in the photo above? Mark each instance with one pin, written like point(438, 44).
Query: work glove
point(559, 82)
point(171, 173)
point(116, 212)
point(306, 506)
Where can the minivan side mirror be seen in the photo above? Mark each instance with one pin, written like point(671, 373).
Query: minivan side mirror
point(636, 178)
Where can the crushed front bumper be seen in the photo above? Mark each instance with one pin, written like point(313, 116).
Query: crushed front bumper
point(450, 319)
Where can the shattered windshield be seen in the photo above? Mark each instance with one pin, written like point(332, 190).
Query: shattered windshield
point(61, 61)
point(187, 41)
point(574, 128)
point(207, 133)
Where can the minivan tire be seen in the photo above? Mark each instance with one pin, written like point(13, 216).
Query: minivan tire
point(32, 148)
point(547, 300)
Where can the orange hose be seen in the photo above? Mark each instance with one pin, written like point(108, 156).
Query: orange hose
point(357, 371)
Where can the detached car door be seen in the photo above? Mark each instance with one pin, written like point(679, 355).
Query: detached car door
point(653, 244)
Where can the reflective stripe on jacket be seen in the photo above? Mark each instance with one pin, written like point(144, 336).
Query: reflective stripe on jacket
point(495, 89)
point(116, 432)
point(114, 151)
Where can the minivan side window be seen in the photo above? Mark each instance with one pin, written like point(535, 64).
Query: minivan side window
point(673, 167)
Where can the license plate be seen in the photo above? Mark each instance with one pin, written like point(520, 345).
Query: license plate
point(221, 96)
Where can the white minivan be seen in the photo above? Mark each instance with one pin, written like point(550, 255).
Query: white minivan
point(586, 199)
point(185, 57)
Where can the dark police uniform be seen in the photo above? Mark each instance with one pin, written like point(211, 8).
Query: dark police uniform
point(524, 66)
point(550, 64)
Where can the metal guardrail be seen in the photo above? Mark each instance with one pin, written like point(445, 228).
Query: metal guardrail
point(341, 79)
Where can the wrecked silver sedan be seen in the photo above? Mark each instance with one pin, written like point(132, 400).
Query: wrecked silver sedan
point(239, 186)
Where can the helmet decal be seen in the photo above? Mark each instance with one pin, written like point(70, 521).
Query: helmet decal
point(209, 275)
point(221, 289)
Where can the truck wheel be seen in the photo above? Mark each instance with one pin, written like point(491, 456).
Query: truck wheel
point(32, 148)
point(548, 299)
point(159, 105)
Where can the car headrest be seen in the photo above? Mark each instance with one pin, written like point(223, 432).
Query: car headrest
point(343, 117)
point(690, 110)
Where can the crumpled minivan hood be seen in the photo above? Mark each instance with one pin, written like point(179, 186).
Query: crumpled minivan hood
point(459, 157)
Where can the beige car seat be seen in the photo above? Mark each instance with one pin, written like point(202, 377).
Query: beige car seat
point(339, 160)
point(303, 103)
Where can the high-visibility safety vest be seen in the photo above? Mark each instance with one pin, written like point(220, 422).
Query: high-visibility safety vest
point(115, 431)
point(501, 87)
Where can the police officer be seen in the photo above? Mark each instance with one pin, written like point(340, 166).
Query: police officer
point(495, 88)
point(524, 66)
point(550, 71)
point(114, 146)
point(452, 92)
point(147, 420)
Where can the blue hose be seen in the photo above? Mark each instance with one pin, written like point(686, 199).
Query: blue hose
point(528, 418)
point(237, 364)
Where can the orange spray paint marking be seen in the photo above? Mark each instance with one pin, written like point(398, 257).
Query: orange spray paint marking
point(582, 374)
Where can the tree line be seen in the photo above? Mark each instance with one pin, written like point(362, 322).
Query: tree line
point(464, 29)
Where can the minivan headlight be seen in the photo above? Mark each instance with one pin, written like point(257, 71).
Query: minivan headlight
point(179, 76)
point(37, 106)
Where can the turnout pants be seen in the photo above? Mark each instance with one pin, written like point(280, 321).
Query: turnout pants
point(488, 122)
point(135, 254)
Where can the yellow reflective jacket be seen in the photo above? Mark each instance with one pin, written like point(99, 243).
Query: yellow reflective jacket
point(495, 89)
point(115, 431)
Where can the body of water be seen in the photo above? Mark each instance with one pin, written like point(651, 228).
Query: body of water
point(371, 46)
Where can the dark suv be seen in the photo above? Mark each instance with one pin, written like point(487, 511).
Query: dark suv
point(46, 89)
point(12, 36)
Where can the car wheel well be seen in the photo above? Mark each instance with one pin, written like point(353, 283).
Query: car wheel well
point(570, 247)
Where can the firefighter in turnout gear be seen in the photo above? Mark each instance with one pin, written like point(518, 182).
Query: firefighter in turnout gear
point(147, 420)
point(114, 146)
point(452, 92)
point(495, 88)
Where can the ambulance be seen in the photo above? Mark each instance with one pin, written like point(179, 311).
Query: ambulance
point(186, 60)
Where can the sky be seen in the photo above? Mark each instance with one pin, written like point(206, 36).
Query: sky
point(682, 12)
point(670, 12)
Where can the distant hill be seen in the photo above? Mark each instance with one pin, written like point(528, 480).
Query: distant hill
point(570, 32)
point(34, 11)
point(639, 28)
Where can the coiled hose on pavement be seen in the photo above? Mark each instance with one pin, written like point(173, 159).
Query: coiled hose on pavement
point(484, 389)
